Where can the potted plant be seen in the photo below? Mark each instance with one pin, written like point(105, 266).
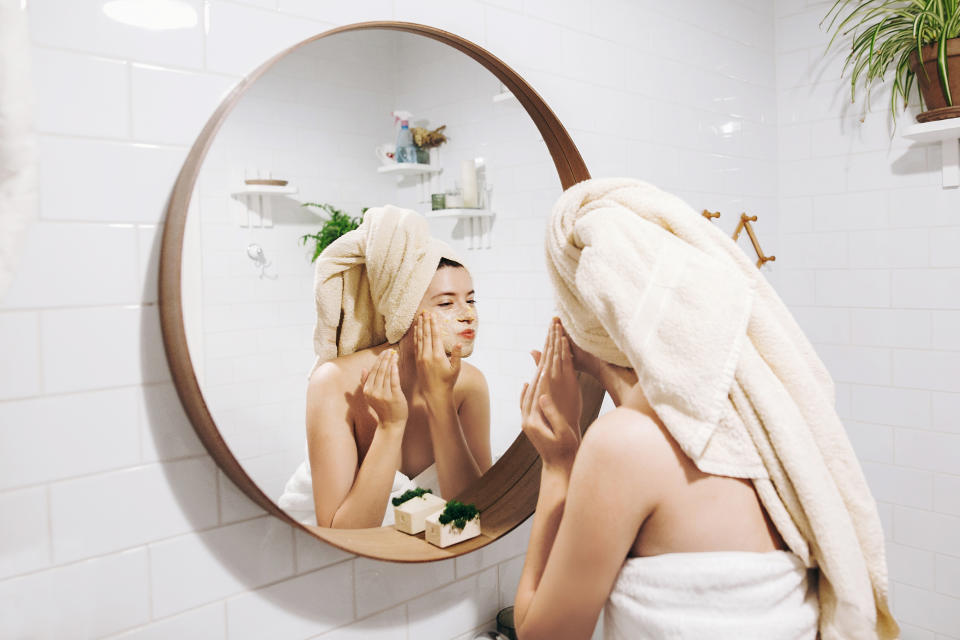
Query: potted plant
point(917, 38)
point(335, 226)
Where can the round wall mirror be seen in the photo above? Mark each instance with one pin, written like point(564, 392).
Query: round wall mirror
point(311, 133)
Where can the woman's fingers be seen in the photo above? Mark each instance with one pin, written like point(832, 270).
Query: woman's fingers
point(418, 333)
point(395, 375)
point(382, 360)
point(436, 337)
point(545, 360)
point(427, 346)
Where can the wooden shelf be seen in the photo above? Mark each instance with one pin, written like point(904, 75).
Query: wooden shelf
point(409, 169)
point(947, 133)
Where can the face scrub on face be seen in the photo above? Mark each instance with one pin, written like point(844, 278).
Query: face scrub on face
point(450, 298)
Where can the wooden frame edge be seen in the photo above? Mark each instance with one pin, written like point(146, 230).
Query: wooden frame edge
point(507, 493)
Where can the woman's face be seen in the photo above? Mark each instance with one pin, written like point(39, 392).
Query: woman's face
point(450, 298)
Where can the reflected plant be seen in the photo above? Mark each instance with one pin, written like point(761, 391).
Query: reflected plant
point(336, 225)
point(458, 513)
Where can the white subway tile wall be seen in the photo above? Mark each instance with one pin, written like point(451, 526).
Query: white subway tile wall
point(869, 268)
point(122, 524)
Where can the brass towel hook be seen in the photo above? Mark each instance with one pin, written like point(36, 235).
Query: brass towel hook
point(745, 221)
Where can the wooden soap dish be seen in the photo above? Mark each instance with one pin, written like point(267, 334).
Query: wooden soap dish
point(266, 182)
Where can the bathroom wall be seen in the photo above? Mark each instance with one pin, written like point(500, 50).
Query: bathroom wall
point(312, 120)
point(116, 522)
point(868, 263)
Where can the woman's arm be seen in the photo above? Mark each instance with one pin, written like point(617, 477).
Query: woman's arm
point(588, 512)
point(586, 529)
point(458, 464)
point(344, 496)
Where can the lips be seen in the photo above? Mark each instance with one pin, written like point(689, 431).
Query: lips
point(469, 334)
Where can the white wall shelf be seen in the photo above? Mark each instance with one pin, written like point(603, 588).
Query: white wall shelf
point(409, 169)
point(947, 133)
point(460, 213)
point(265, 190)
point(256, 206)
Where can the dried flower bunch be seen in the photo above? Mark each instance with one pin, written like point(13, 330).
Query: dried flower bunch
point(426, 139)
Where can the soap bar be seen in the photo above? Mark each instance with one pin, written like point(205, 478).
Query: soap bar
point(409, 516)
point(444, 535)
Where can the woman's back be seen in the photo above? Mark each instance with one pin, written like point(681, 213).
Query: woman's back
point(693, 510)
point(707, 561)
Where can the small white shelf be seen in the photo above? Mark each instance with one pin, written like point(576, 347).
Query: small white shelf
point(409, 169)
point(503, 96)
point(265, 190)
point(460, 213)
point(947, 133)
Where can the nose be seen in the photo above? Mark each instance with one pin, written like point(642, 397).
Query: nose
point(467, 313)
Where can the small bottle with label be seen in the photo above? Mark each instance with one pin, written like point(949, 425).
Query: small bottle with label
point(406, 150)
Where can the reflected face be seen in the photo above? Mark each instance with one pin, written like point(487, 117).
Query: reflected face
point(450, 297)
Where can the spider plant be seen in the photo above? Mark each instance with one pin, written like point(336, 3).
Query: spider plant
point(887, 33)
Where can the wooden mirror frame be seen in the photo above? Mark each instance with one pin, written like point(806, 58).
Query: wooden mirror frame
point(506, 495)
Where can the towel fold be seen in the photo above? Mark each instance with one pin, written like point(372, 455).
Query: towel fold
point(727, 595)
point(642, 280)
point(369, 282)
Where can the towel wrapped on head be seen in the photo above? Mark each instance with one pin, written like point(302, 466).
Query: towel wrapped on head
point(369, 282)
point(644, 281)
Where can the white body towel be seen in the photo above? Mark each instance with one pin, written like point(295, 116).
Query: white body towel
point(297, 498)
point(735, 595)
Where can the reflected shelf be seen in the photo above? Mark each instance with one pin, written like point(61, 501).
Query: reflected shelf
point(409, 169)
point(459, 213)
point(265, 190)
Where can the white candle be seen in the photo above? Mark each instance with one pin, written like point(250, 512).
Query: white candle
point(468, 178)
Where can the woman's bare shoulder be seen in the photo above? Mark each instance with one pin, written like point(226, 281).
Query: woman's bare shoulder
point(341, 373)
point(471, 378)
point(631, 441)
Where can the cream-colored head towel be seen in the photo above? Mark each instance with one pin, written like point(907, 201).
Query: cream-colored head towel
point(370, 281)
point(642, 280)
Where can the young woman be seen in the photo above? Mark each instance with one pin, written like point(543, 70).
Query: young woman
point(626, 500)
point(403, 406)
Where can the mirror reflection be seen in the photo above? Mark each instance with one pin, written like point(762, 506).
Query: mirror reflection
point(318, 151)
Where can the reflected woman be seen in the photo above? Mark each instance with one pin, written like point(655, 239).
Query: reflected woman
point(390, 404)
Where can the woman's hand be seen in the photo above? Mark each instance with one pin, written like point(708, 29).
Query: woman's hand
point(551, 404)
point(436, 372)
point(381, 390)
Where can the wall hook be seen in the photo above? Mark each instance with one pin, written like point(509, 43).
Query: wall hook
point(255, 253)
point(744, 223)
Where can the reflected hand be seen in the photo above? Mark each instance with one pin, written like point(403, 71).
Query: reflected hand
point(550, 404)
point(436, 372)
point(381, 390)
